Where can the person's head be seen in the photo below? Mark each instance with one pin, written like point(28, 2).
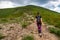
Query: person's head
point(38, 13)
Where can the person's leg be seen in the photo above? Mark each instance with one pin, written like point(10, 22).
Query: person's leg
point(39, 30)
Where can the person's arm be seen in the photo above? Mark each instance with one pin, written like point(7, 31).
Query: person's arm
point(41, 21)
point(35, 19)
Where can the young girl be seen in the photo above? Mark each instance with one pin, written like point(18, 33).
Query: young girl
point(39, 23)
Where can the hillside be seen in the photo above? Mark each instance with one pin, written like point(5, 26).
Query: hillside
point(22, 17)
point(14, 31)
point(49, 16)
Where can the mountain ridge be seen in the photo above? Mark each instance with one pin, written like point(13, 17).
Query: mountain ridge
point(49, 16)
point(21, 20)
point(27, 6)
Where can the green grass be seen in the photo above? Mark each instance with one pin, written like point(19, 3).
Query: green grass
point(55, 31)
point(24, 24)
point(19, 13)
point(48, 16)
point(1, 36)
point(28, 38)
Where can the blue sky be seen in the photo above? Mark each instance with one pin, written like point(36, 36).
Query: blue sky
point(50, 4)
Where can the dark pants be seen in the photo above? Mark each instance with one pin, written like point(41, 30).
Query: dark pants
point(39, 27)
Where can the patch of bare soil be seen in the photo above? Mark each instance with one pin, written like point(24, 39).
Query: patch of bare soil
point(14, 31)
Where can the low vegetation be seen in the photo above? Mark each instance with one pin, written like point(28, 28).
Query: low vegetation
point(55, 31)
point(28, 38)
point(23, 13)
point(1, 36)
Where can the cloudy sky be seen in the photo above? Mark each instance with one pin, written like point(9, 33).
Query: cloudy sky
point(50, 4)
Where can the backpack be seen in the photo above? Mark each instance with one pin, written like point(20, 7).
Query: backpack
point(38, 19)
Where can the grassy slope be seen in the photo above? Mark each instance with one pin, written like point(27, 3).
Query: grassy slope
point(17, 14)
point(49, 16)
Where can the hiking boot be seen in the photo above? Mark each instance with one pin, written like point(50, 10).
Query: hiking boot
point(40, 35)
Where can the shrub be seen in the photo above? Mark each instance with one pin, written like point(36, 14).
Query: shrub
point(24, 24)
point(55, 31)
point(28, 38)
point(4, 20)
point(1, 36)
point(57, 25)
point(0, 27)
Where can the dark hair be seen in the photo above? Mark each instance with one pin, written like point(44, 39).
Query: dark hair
point(38, 13)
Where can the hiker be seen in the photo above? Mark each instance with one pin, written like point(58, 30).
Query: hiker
point(39, 23)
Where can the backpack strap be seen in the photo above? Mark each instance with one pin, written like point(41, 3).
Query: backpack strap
point(38, 19)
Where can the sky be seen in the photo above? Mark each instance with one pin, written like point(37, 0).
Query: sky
point(49, 4)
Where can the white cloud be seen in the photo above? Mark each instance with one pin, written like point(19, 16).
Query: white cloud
point(52, 5)
point(10, 4)
point(57, 9)
point(7, 4)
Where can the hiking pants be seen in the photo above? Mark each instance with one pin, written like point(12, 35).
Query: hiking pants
point(39, 27)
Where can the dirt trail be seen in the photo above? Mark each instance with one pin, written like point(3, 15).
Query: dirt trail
point(15, 32)
point(45, 33)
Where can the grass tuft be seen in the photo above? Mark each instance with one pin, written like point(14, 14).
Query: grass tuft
point(55, 31)
point(28, 38)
